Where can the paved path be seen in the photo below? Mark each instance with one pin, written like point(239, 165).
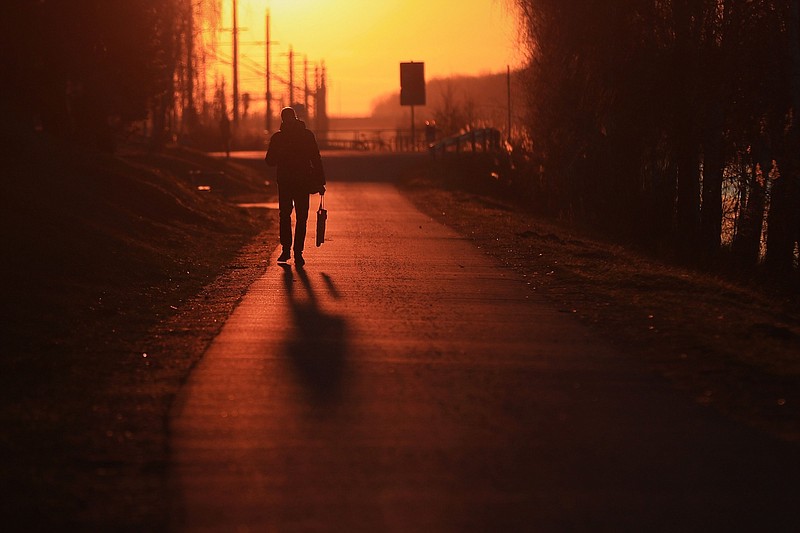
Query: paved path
point(403, 381)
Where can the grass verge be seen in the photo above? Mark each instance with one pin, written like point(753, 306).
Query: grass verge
point(112, 262)
point(731, 346)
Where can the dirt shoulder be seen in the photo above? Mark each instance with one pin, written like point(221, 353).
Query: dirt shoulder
point(732, 347)
point(120, 270)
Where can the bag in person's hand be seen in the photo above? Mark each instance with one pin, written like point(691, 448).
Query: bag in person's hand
point(322, 218)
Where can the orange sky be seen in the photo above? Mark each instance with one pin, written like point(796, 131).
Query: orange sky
point(362, 43)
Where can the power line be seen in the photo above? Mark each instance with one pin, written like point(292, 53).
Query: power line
point(254, 67)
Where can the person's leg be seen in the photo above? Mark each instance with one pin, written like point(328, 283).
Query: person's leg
point(285, 203)
point(301, 204)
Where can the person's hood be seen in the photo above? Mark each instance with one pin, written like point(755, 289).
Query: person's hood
point(293, 125)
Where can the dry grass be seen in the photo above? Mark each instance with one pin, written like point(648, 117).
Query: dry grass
point(729, 345)
point(103, 251)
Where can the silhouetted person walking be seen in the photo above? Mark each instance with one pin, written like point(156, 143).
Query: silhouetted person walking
point(294, 151)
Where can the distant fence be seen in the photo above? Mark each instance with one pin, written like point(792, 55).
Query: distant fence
point(484, 140)
point(392, 140)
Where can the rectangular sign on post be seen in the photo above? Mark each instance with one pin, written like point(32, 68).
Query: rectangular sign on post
point(412, 84)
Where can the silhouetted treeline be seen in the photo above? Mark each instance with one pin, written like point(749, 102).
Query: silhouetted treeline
point(84, 69)
point(671, 121)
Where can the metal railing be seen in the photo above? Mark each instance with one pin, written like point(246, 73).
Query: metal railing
point(483, 140)
point(394, 140)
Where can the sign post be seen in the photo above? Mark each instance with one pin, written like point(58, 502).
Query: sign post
point(412, 91)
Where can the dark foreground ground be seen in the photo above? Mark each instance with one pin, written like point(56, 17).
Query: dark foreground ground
point(121, 273)
point(101, 254)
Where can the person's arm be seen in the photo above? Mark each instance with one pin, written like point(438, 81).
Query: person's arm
point(316, 163)
point(273, 150)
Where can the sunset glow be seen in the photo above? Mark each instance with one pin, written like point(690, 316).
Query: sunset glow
point(361, 43)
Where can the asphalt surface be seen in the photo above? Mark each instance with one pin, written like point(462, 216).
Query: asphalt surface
point(404, 381)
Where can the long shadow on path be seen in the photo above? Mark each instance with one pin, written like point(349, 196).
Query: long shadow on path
point(318, 346)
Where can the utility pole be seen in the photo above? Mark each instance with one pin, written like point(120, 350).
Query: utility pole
point(508, 86)
point(190, 61)
point(269, 91)
point(305, 83)
point(291, 76)
point(315, 95)
point(235, 66)
point(321, 104)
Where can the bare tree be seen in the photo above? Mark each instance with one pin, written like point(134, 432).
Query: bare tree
point(784, 215)
point(638, 107)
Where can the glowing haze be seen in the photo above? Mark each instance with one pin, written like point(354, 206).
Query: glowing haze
point(362, 43)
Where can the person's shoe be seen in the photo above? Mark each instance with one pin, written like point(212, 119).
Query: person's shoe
point(298, 259)
point(285, 256)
